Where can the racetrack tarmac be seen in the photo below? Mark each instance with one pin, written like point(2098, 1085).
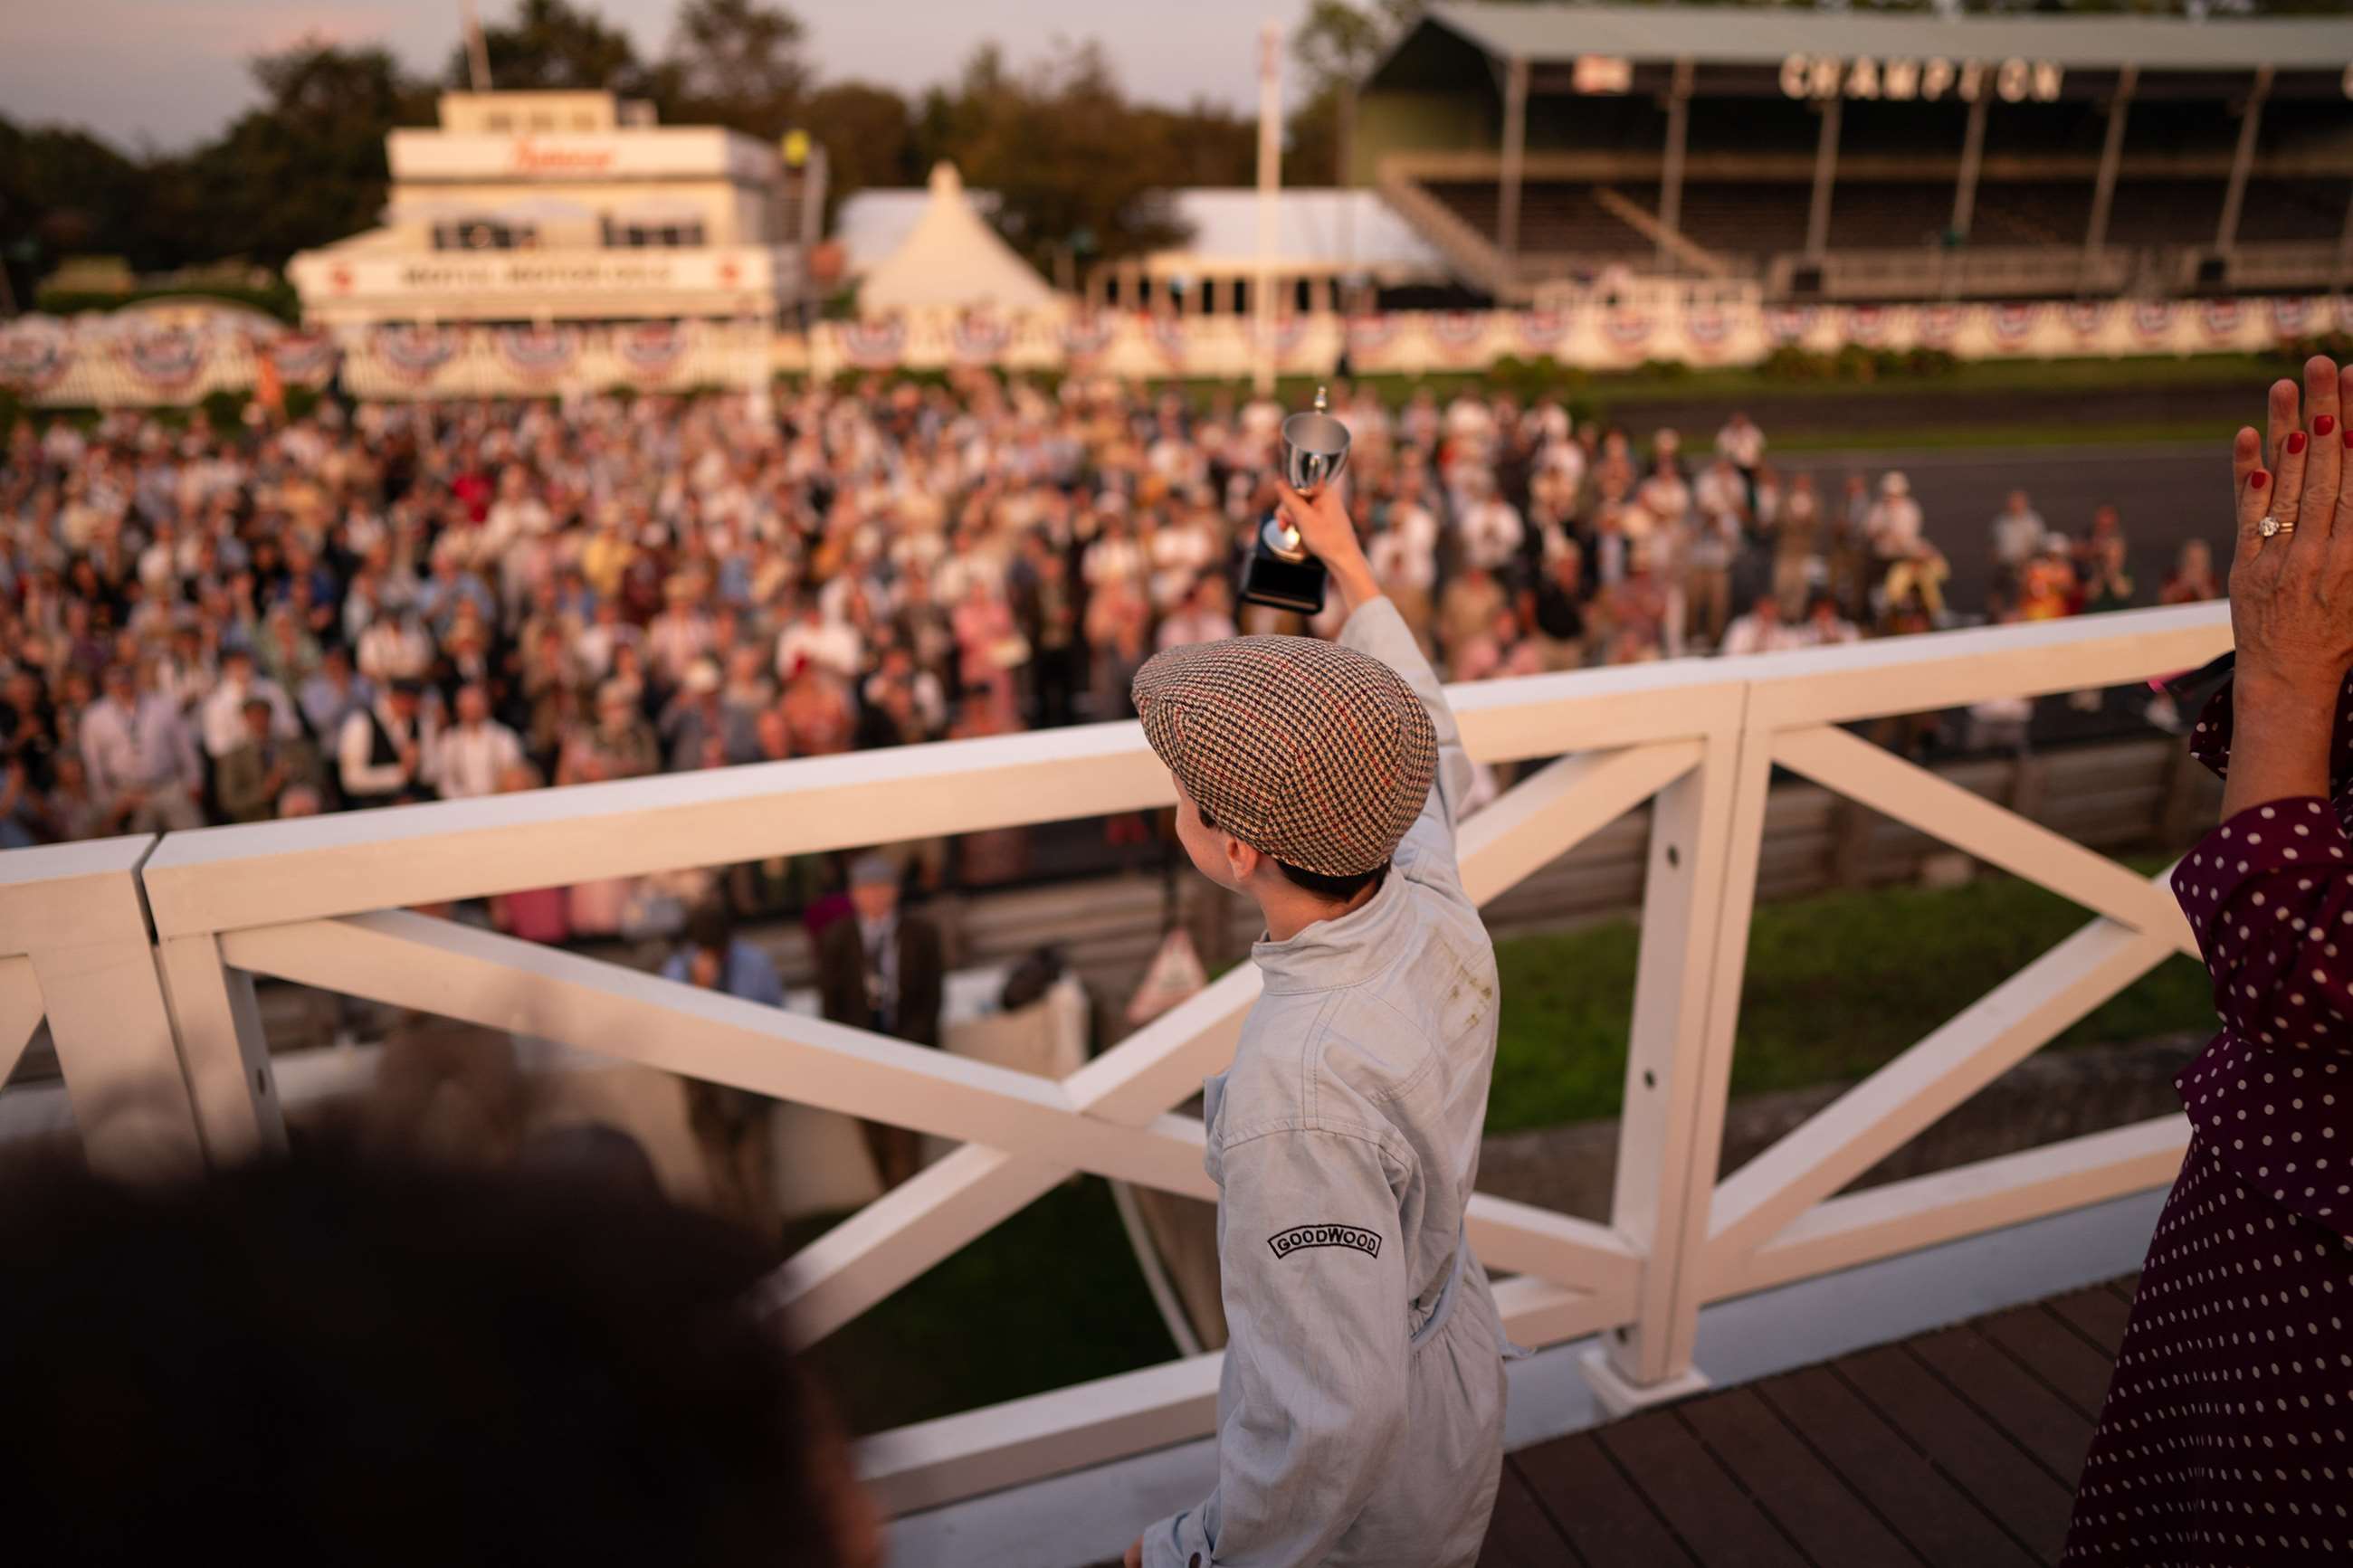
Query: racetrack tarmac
point(2165, 495)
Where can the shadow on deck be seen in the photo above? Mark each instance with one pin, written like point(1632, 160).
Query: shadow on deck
point(1958, 1447)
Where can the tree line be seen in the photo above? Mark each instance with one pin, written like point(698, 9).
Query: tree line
point(1078, 166)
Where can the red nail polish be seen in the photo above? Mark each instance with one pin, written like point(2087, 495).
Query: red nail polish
point(2294, 442)
point(2258, 480)
point(2324, 424)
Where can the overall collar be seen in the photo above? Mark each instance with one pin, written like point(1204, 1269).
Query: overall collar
point(1340, 952)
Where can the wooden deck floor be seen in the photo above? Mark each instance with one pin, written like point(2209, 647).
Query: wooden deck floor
point(1959, 1447)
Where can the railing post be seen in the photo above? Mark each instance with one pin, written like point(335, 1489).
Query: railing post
point(75, 910)
point(223, 1050)
point(1705, 833)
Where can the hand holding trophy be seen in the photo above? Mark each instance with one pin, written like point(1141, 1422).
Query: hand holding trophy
point(1281, 570)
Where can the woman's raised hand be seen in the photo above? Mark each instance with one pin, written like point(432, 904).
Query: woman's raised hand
point(2291, 580)
point(2291, 590)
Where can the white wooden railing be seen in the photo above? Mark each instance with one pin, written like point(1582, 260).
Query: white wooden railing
point(325, 902)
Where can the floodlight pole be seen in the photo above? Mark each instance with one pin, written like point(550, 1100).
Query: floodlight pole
point(1965, 190)
point(1671, 178)
point(1515, 142)
point(2226, 233)
point(2111, 155)
point(1818, 217)
point(1270, 179)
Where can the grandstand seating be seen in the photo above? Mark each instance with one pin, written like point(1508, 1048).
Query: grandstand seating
point(1887, 216)
point(1757, 221)
point(2165, 212)
point(1710, 99)
point(1757, 228)
point(2292, 210)
point(1736, 220)
point(1556, 218)
point(2031, 212)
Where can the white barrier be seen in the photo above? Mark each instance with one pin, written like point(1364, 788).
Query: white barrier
point(320, 901)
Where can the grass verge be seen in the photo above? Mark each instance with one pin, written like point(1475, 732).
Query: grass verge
point(1837, 984)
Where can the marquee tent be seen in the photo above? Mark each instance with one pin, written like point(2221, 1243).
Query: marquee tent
point(952, 260)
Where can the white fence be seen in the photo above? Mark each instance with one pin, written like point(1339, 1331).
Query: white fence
point(324, 901)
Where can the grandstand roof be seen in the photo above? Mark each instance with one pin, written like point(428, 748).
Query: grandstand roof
point(1743, 35)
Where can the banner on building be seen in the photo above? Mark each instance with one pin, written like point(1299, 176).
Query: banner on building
point(178, 352)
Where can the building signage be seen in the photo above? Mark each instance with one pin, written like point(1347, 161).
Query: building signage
point(1602, 74)
point(716, 280)
point(656, 153)
point(1902, 80)
point(431, 274)
point(538, 155)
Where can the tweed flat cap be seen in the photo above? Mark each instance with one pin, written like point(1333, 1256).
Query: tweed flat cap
point(1304, 750)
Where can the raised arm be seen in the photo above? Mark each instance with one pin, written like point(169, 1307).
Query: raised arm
point(1375, 628)
point(2271, 889)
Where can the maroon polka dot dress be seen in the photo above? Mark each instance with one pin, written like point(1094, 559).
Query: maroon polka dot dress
point(2224, 1438)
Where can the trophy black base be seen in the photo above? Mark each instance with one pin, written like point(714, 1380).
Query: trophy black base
point(1282, 579)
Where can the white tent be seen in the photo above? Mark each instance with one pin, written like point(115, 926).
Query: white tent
point(952, 260)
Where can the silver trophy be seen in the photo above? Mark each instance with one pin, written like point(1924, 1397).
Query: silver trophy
point(1281, 572)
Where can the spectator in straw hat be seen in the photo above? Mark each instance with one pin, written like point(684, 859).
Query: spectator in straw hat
point(1361, 1411)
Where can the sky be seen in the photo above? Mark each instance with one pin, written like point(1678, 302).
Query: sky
point(167, 73)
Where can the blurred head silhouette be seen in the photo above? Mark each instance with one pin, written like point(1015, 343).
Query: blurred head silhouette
point(334, 1359)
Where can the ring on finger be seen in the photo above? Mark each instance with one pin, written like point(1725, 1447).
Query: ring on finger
point(2271, 527)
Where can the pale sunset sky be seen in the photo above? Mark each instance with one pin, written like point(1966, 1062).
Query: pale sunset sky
point(167, 73)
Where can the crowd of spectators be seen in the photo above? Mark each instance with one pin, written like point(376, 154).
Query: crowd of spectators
point(389, 602)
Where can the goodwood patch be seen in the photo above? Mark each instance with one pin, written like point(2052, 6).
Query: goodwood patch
point(1298, 1238)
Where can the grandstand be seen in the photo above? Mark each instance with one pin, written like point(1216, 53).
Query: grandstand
point(1837, 155)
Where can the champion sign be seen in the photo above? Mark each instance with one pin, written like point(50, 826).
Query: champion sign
point(1298, 1238)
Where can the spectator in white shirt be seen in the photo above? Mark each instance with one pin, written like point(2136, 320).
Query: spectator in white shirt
point(1492, 526)
point(605, 637)
point(1743, 442)
point(1894, 523)
point(1762, 630)
point(681, 634)
point(1203, 617)
point(1825, 627)
point(1182, 549)
point(384, 756)
point(140, 759)
point(475, 754)
point(833, 647)
point(1401, 558)
point(1663, 498)
point(222, 716)
point(1115, 554)
point(2018, 531)
point(394, 648)
point(1719, 508)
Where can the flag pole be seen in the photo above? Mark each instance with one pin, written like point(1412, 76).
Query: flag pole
point(478, 54)
point(1269, 177)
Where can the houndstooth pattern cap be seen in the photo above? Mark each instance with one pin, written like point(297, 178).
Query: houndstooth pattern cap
point(1304, 750)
